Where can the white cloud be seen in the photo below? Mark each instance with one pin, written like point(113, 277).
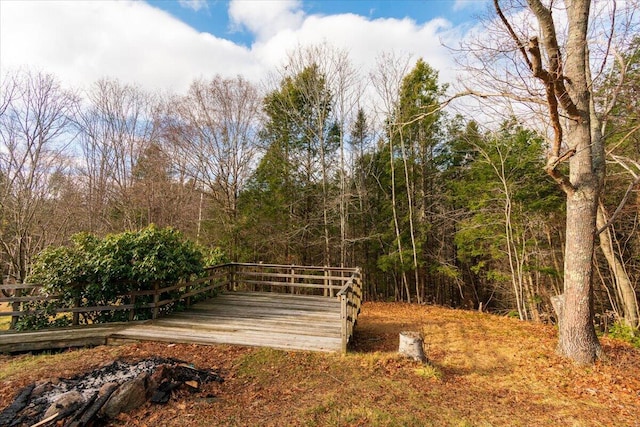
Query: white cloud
point(194, 5)
point(83, 41)
point(133, 41)
point(266, 18)
point(364, 39)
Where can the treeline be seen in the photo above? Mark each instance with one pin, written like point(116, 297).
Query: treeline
point(327, 166)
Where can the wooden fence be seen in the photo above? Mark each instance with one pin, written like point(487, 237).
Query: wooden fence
point(331, 282)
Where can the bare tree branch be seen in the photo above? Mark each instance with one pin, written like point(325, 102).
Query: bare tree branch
point(634, 182)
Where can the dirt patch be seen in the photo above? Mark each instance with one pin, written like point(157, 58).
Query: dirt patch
point(485, 370)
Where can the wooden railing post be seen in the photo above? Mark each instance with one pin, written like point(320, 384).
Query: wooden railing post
point(292, 279)
point(232, 277)
point(359, 293)
point(75, 316)
point(156, 300)
point(132, 310)
point(15, 306)
point(187, 289)
point(344, 334)
point(327, 283)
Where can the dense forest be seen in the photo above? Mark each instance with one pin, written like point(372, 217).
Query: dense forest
point(322, 165)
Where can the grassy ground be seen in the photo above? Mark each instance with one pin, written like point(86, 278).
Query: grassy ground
point(484, 371)
point(5, 321)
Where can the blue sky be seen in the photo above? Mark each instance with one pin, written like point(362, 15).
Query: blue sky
point(212, 15)
point(166, 44)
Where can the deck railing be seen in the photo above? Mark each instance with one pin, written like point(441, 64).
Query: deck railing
point(331, 282)
point(295, 279)
point(350, 302)
point(20, 294)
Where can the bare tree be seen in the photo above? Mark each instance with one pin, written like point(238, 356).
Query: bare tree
point(619, 125)
point(626, 304)
point(387, 79)
point(35, 132)
point(116, 128)
point(214, 129)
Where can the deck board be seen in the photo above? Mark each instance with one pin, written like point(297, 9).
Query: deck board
point(285, 321)
point(59, 338)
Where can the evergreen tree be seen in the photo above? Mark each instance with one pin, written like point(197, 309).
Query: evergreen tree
point(289, 192)
point(509, 202)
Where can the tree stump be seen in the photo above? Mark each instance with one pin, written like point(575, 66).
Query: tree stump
point(557, 302)
point(411, 346)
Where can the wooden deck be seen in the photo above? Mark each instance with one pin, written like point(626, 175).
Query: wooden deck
point(322, 319)
point(284, 321)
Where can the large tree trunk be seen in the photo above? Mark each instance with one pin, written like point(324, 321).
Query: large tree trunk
point(564, 72)
point(577, 337)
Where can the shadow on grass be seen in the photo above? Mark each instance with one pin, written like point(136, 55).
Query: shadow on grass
point(454, 349)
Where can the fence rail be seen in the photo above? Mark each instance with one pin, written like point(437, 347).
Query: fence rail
point(330, 282)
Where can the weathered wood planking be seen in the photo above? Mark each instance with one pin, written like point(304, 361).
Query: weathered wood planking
point(51, 339)
point(291, 322)
point(285, 341)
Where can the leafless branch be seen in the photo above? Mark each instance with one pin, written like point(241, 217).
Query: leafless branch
point(622, 161)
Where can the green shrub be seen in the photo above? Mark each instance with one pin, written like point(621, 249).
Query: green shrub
point(98, 272)
point(44, 316)
point(214, 256)
point(626, 333)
